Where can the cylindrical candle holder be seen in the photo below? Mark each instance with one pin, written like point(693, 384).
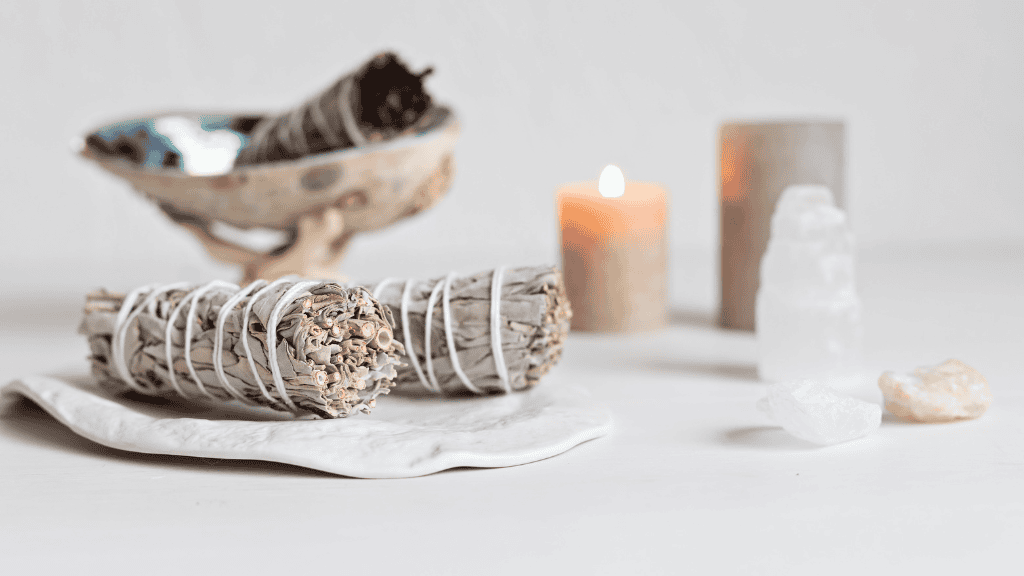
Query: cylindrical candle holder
point(614, 257)
point(758, 161)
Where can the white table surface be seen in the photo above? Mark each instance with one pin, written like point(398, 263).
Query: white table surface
point(692, 480)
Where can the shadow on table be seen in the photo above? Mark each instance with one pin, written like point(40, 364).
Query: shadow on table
point(765, 438)
point(889, 419)
point(24, 421)
point(692, 317)
point(719, 369)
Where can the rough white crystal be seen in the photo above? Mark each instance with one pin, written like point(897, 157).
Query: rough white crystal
point(812, 411)
point(808, 312)
point(940, 393)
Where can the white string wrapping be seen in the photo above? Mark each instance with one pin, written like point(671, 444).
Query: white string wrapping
point(245, 338)
point(167, 347)
point(428, 323)
point(380, 287)
point(349, 119)
point(117, 351)
point(218, 339)
point(275, 316)
point(190, 320)
point(129, 312)
point(496, 351)
point(291, 134)
point(323, 126)
point(407, 335)
point(443, 289)
point(168, 343)
point(445, 304)
point(125, 316)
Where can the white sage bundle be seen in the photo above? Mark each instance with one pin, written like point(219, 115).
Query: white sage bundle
point(295, 346)
point(495, 331)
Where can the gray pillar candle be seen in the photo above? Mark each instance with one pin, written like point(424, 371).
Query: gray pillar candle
point(758, 161)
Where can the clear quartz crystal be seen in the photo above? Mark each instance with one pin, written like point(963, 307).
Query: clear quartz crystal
point(812, 411)
point(808, 312)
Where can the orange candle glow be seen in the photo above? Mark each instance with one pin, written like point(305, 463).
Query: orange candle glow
point(614, 253)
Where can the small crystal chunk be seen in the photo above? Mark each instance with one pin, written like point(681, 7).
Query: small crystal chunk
point(812, 411)
point(940, 393)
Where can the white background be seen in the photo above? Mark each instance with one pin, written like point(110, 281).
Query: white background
point(548, 93)
point(692, 476)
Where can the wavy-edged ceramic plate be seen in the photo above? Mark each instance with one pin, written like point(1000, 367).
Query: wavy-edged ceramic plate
point(404, 437)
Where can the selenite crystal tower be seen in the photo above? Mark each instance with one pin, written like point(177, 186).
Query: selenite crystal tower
point(808, 312)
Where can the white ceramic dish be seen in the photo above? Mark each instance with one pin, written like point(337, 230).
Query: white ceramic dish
point(404, 437)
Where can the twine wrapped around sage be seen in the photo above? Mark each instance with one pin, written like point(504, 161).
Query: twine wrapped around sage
point(377, 102)
point(496, 331)
point(333, 347)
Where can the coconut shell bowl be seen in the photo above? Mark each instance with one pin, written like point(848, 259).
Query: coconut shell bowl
point(308, 209)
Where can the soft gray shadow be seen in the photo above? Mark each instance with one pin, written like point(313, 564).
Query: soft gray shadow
point(888, 419)
point(717, 369)
point(22, 420)
point(581, 448)
point(693, 317)
point(765, 438)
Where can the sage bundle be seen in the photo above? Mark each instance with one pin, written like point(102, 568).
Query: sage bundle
point(377, 102)
point(296, 346)
point(495, 331)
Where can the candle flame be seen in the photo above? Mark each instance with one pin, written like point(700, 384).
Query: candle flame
point(612, 184)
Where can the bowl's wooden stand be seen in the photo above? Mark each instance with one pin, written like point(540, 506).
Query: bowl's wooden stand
point(315, 250)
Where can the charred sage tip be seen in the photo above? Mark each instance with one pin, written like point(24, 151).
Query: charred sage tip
point(379, 101)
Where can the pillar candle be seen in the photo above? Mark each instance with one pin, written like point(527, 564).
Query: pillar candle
point(614, 253)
